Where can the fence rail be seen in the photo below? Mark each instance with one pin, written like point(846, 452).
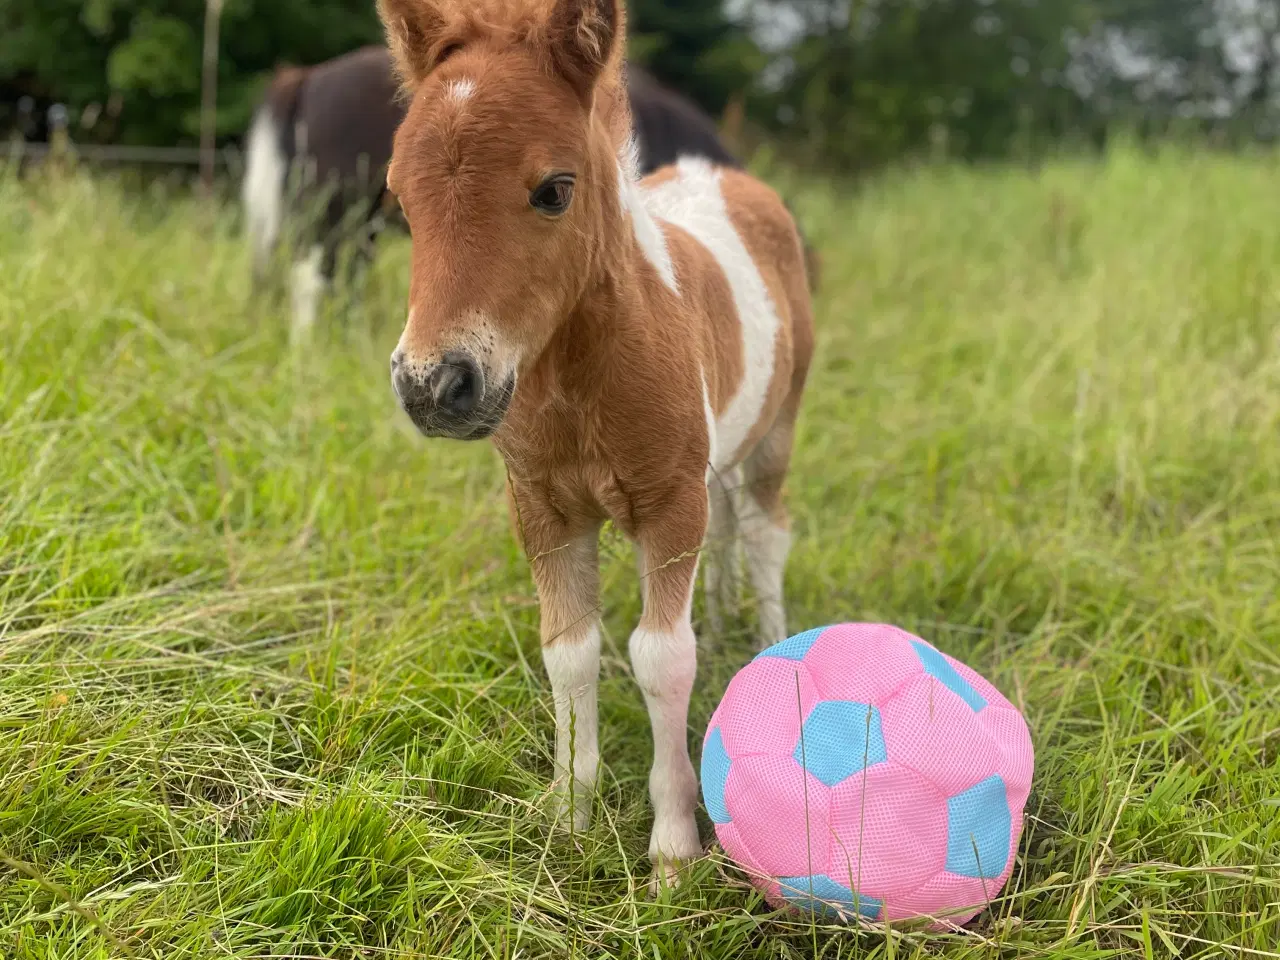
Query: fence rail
point(228, 157)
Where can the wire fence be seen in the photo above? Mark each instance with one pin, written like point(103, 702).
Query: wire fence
point(60, 145)
point(227, 158)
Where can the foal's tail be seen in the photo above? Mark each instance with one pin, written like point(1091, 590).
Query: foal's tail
point(812, 259)
point(812, 263)
point(268, 155)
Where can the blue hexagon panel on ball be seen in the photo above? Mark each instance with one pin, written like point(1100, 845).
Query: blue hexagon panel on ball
point(838, 739)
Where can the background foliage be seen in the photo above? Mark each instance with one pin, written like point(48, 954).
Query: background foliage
point(851, 83)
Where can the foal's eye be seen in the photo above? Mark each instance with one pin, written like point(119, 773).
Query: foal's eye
point(553, 195)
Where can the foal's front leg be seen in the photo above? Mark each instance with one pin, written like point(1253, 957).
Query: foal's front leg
point(566, 574)
point(664, 661)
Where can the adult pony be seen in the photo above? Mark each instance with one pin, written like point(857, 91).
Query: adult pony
point(339, 118)
point(636, 349)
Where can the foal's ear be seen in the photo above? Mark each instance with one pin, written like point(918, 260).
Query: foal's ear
point(415, 34)
point(584, 37)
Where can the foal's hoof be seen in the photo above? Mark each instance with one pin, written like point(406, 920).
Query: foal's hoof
point(673, 844)
point(666, 875)
point(570, 815)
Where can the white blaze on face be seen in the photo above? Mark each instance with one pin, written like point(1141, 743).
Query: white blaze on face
point(402, 345)
point(460, 90)
point(693, 201)
point(473, 332)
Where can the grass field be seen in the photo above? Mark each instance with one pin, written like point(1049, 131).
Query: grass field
point(269, 671)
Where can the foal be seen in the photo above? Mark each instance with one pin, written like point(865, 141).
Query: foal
point(625, 345)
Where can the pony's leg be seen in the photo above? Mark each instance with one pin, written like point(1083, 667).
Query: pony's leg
point(359, 226)
point(307, 284)
point(765, 528)
point(357, 245)
point(722, 570)
point(664, 660)
point(366, 249)
point(565, 570)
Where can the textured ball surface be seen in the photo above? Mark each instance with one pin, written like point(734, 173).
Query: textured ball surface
point(855, 769)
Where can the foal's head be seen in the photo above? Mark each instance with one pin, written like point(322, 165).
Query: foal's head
point(506, 167)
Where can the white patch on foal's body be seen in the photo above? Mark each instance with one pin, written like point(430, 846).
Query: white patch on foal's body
point(692, 200)
point(649, 235)
point(460, 90)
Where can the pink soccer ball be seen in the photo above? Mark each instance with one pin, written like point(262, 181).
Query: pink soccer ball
point(855, 770)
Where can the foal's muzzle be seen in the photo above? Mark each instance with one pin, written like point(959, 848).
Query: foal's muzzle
point(452, 398)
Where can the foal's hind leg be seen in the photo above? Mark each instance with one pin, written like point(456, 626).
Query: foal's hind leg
point(722, 570)
point(765, 527)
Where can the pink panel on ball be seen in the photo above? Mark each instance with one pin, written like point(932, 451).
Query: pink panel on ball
point(1017, 765)
point(945, 899)
point(781, 813)
point(1015, 838)
point(736, 849)
point(862, 662)
point(760, 712)
point(773, 894)
point(901, 819)
point(933, 731)
point(952, 899)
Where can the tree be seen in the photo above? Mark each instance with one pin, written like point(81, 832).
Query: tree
point(144, 56)
point(869, 80)
point(856, 82)
point(694, 47)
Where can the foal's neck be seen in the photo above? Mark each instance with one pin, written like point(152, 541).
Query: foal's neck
point(617, 290)
point(608, 337)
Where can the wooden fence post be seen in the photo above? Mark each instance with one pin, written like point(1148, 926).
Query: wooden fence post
point(209, 94)
point(59, 137)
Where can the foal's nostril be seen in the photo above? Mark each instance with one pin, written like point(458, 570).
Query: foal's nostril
point(456, 384)
point(397, 358)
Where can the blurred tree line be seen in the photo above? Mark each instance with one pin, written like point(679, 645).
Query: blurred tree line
point(851, 83)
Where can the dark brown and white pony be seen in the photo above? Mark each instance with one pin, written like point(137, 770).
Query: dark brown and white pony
point(636, 349)
point(334, 122)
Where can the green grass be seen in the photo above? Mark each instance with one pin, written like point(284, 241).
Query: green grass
point(269, 672)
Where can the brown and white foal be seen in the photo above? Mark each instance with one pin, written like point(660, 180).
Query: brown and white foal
point(636, 350)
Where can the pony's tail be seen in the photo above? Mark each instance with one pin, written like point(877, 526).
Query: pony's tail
point(268, 152)
point(812, 264)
